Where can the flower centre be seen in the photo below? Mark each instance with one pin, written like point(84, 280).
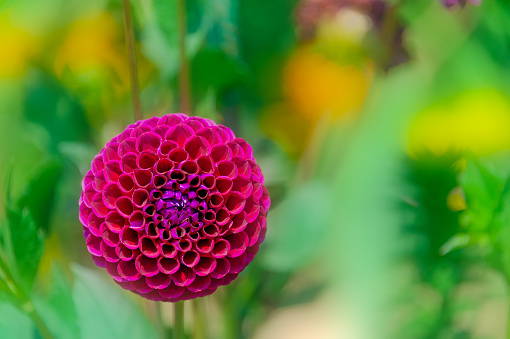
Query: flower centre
point(178, 205)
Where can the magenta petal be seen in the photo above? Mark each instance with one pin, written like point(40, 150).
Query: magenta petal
point(124, 253)
point(179, 133)
point(97, 164)
point(112, 171)
point(168, 265)
point(129, 238)
point(253, 232)
point(235, 203)
point(168, 250)
point(206, 164)
point(226, 169)
point(237, 264)
point(94, 245)
point(221, 269)
point(127, 146)
point(148, 141)
point(224, 185)
point(204, 245)
point(190, 258)
point(111, 267)
point(146, 160)
point(199, 284)
point(128, 271)
point(142, 177)
point(172, 291)
point(148, 247)
point(98, 206)
point(184, 276)
point(221, 248)
point(111, 193)
point(238, 244)
point(128, 162)
point(197, 147)
point(124, 206)
point(205, 266)
point(141, 286)
point(158, 281)
point(146, 266)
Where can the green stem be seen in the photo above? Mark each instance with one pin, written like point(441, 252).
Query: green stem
point(28, 307)
point(184, 82)
point(130, 42)
point(199, 331)
point(158, 320)
point(179, 320)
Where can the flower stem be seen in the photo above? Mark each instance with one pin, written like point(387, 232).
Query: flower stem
point(179, 320)
point(199, 331)
point(130, 42)
point(28, 307)
point(184, 83)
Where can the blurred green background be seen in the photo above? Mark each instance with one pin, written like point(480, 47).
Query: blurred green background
point(382, 128)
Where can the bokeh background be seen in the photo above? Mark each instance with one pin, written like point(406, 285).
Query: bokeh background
point(382, 128)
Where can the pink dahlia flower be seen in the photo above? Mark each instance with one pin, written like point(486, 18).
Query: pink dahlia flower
point(174, 207)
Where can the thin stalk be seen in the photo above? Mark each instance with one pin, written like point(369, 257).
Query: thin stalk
point(199, 331)
point(184, 82)
point(133, 71)
point(28, 307)
point(179, 320)
point(158, 319)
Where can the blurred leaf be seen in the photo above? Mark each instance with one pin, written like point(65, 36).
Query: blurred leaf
point(48, 104)
point(39, 194)
point(299, 225)
point(483, 187)
point(221, 21)
point(14, 323)
point(78, 153)
point(57, 310)
point(104, 311)
point(27, 246)
point(457, 241)
point(303, 296)
point(216, 69)
point(161, 42)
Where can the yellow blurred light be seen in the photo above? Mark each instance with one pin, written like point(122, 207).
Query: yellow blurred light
point(315, 85)
point(477, 122)
point(456, 200)
point(17, 47)
point(93, 45)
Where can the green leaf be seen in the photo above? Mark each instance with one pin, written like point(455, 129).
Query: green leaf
point(104, 311)
point(39, 193)
point(221, 21)
point(57, 310)
point(78, 153)
point(483, 187)
point(27, 247)
point(299, 224)
point(14, 323)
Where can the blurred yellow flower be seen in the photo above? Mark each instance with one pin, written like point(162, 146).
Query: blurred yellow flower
point(93, 46)
point(477, 122)
point(315, 85)
point(17, 47)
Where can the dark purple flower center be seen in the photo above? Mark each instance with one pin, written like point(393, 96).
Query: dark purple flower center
point(177, 207)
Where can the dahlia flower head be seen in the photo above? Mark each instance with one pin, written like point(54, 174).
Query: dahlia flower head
point(174, 207)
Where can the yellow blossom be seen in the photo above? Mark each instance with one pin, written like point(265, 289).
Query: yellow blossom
point(476, 122)
point(315, 85)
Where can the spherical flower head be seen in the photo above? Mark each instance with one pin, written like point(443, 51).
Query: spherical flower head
point(174, 207)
